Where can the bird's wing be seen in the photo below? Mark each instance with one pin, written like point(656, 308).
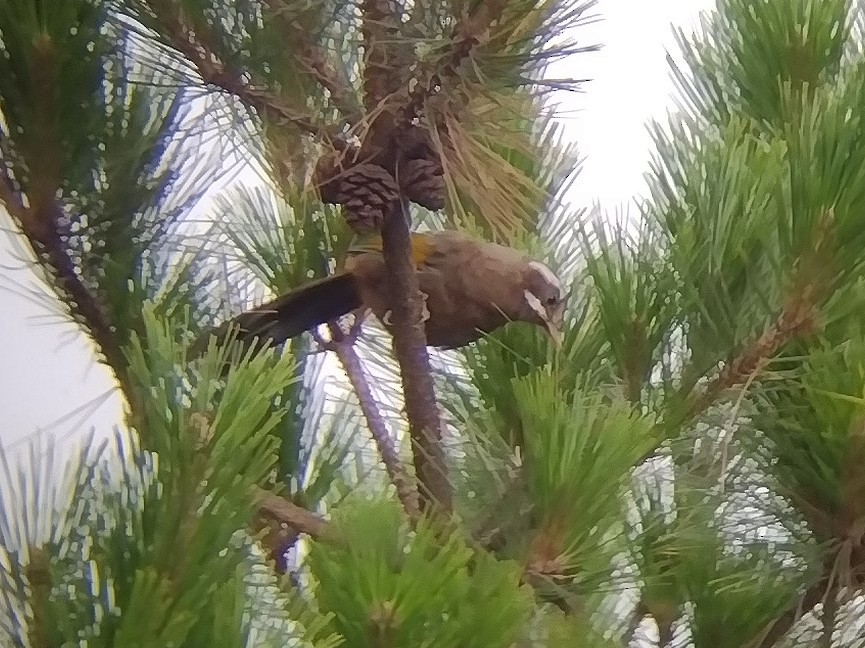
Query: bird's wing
point(478, 270)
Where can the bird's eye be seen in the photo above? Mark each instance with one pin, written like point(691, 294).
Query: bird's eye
point(551, 301)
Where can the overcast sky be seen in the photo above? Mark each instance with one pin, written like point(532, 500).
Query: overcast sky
point(48, 380)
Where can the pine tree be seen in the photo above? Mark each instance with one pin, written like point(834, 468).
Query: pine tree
point(687, 464)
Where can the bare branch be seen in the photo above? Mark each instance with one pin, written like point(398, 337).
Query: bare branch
point(381, 83)
point(343, 347)
point(297, 518)
point(409, 341)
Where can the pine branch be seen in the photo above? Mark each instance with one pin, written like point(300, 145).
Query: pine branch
point(797, 318)
point(409, 341)
point(295, 517)
point(315, 62)
point(343, 346)
point(40, 223)
point(381, 82)
point(213, 71)
point(380, 34)
point(469, 32)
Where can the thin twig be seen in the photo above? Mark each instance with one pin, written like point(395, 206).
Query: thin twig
point(313, 59)
point(796, 318)
point(213, 71)
point(343, 346)
point(472, 30)
point(812, 281)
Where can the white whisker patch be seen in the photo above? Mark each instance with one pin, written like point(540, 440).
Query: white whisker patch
point(548, 275)
point(535, 304)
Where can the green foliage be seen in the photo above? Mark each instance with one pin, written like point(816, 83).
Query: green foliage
point(755, 50)
point(51, 84)
point(755, 195)
point(812, 432)
point(206, 468)
point(635, 291)
point(687, 565)
point(283, 243)
point(156, 541)
point(573, 632)
point(396, 586)
point(244, 34)
point(735, 597)
point(577, 444)
point(720, 204)
point(114, 160)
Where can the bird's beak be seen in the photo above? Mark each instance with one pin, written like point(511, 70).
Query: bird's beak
point(553, 326)
point(552, 318)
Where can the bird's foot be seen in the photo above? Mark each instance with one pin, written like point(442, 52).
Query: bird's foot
point(424, 315)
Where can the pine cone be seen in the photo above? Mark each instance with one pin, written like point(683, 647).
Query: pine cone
point(366, 192)
point(423, 183)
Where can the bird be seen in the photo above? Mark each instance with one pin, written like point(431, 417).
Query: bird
point(470, 287)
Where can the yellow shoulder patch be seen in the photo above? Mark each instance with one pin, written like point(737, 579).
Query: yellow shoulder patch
point(421, 246)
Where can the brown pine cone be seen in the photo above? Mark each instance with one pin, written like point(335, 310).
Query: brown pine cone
point(423, 183)
point(366, 193)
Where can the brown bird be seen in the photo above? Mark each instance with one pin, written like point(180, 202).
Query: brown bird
point(470, 287)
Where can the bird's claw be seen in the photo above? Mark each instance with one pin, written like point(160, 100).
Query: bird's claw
point(424, 316)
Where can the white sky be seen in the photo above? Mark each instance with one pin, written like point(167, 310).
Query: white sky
point(48, 369)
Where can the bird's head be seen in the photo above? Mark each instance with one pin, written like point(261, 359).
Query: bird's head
point(545, 299)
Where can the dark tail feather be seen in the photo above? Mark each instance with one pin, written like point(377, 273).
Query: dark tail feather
point(290, 314)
